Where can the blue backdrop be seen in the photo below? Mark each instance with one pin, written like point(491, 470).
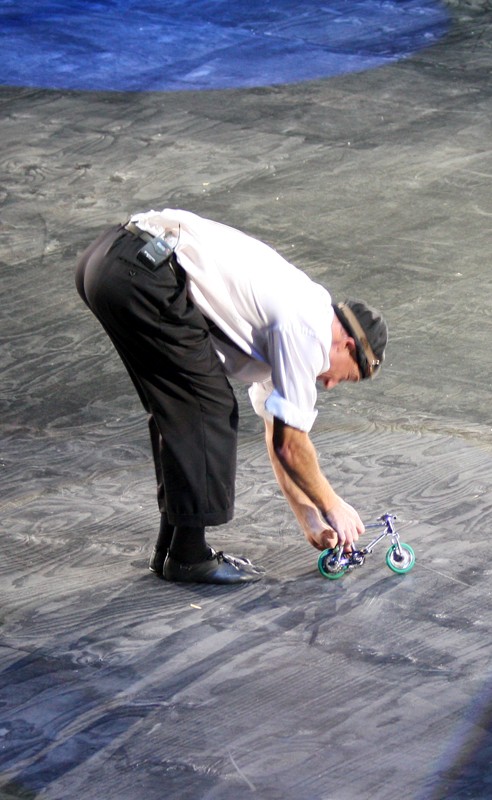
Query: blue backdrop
point(127, 45)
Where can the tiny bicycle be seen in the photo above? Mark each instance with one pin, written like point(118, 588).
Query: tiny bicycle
point(334, 563)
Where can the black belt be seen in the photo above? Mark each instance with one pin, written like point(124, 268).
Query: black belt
point(130, 226)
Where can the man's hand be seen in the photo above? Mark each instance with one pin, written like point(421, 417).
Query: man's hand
point(322, 538)
point(345, 521)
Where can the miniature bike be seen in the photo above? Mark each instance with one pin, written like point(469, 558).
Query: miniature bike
point(334, 563)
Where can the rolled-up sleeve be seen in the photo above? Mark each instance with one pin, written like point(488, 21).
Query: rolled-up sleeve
point(296, 358)
point(278, 406)
point(258, 394)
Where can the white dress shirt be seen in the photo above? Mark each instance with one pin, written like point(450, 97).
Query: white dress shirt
point(277, 318)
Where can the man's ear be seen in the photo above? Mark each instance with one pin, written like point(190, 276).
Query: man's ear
point(351, 346)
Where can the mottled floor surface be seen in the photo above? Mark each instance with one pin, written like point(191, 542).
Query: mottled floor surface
point(118, 686)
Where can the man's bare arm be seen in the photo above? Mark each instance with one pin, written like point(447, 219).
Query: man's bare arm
point(317, 532)
point(309, 493)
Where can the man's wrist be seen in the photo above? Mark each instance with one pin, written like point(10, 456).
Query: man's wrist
point(327, 508)
point(325, 516)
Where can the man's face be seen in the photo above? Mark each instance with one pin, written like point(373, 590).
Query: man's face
point(343, 365)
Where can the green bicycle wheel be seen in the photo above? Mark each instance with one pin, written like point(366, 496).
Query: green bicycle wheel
point(400, 563)
point(324, 560)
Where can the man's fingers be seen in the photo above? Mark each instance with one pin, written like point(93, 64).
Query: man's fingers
point(346, 522)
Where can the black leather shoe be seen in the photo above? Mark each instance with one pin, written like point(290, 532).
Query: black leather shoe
point(217, 568)
point(245, 562)
point(157, 559)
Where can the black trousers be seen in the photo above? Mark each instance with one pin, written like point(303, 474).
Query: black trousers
point(164, 343)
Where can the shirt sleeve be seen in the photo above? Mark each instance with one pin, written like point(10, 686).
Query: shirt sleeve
point(278, 406)
point(258, 394)
point(268, 403)
point(296, 359)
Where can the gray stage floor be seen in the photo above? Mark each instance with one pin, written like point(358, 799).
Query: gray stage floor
point(118, 686)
